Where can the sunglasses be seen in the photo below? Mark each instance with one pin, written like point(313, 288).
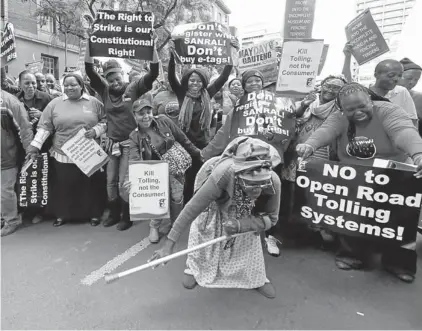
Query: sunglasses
point(248, 184)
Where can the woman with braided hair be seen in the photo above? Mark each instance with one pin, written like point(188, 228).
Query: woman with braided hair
point(364, 129)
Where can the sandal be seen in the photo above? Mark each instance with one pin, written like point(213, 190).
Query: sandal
point(348, 263)
point(403, 275)
point(58, 222)
point(95, 222)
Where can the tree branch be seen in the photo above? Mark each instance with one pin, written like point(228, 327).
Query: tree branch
point(163, 20)
point(159, 48)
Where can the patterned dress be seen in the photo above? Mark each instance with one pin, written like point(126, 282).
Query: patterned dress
point(236, 263)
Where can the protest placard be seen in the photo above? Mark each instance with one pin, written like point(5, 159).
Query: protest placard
point(262, 57)
point(373, 203)
point(34, 67)
point(149, 192)
point(262, 115)
point(85, 153)
point(323, 58)
point(8, 45)
point(299, 19)
point(203, 43)
point(122, 34)
point(299, 66)
point(366, 38)
point(33, 183)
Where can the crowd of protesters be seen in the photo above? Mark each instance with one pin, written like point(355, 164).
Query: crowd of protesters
point(217, 181)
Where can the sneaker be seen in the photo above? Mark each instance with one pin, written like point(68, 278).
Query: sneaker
point(272, 247)
point(154, 236)
point(9, 229)
point(37, 219)
point(267, 290)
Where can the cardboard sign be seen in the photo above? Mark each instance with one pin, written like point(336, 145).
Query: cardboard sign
point(86, 153)
point(262, 57)
point(34, 67)
point(323, 58)
point(8, 45)
point(366, 38)
point(203, 43)
point(373, 203)
point(122, 34)
point(33, 183)
point(299, 19)
point(264, 116)
point(150, 190)
point(299, 66)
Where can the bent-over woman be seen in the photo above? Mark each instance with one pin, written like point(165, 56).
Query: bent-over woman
point(235, 193)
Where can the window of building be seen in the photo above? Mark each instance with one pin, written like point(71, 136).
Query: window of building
point(50, 65)
point(220, 18)
point(392, 28)
point(392, 14)
point(394, 6)
point(47, 24)
point(394, 20)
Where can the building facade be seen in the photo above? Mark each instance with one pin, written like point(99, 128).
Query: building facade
point(37, 42)
point(220, 12)
point(390, 16)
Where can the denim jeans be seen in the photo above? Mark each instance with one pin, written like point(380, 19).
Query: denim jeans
point(176, 197)
point(9, 200)
point(117, 169)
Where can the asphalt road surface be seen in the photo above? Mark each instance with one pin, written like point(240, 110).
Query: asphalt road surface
point(51, 278)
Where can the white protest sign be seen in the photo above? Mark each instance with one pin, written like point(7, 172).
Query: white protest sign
point(299, 64)
point(85, 153)
point(149, 192)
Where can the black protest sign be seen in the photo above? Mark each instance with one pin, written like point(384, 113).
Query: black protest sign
point(262, 115)
point(208, 43)
point(33, 183)
point(366, 38)
point(8, 45)
point(377, 204)
point(299, 19)
point(122, 34)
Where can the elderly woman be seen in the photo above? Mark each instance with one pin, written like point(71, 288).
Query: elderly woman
point(383, 130)
point(118, 97)
point(235, 193)
point(252, 81)
point(159, 138)
point(73, 195)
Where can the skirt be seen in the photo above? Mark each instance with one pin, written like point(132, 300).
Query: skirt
point(75, 196)
point(236, 263)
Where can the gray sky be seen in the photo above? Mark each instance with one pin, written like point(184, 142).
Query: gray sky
point(330, 21)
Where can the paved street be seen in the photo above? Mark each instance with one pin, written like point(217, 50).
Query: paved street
point(51, 280)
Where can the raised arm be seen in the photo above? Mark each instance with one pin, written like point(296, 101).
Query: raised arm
point(220, 81)
point(173, 80)
point(6, 86)
point(98, 83)
point(347, 72)
point(217, 145)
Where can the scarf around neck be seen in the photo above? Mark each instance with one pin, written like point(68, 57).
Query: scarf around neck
point(186, 111)
point(317, 110)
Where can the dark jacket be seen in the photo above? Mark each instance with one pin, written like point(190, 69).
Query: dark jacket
point(141, 150)
point(16, 131)
point(42, 99)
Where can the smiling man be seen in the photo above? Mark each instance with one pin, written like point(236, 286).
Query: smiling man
point(388, 74)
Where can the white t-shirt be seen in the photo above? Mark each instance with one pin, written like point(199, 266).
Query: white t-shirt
point(401, 97)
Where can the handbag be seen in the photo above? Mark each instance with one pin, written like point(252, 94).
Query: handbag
point(177, 158)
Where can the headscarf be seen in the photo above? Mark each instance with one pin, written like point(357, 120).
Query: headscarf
point(251, 153)
point(409, 65)
point(251, 73)
point(186, 111)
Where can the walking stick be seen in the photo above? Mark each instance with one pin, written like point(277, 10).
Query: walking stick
point(109, 278)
